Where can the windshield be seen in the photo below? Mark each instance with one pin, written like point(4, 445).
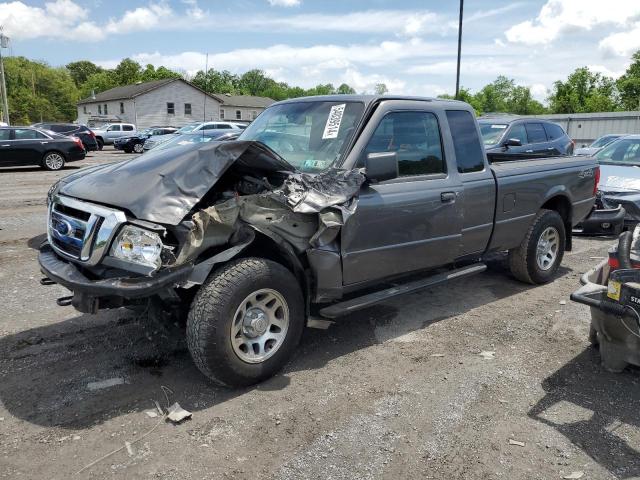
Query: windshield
point(188, 128)
point(624, 150)
point(186, 139)
point(602, 141)
point(492, 132)
point(311, 136)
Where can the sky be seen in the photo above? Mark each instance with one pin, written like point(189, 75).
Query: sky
point(410, 45)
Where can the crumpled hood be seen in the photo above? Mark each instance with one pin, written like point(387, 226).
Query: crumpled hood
point(618, 178)
point(164, 186)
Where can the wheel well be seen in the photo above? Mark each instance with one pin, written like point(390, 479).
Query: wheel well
point(266, 247)
point(562, 205)
point(98, 137)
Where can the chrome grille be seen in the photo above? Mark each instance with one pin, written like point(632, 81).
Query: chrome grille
point(81, 231)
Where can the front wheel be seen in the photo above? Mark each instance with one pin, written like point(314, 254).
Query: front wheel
point(538, 257)
point(52, 161)
point(138, 148)
point(100, 143)
point(245, 322)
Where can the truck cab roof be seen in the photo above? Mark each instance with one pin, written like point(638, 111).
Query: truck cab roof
point(370, 99)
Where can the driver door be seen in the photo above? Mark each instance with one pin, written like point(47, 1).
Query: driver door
point(412, 222)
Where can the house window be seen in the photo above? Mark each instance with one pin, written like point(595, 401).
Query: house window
point(99, 109)
point(171, 108)
point(84, 109)
point(221, 113)
point(238, 115)
point(187, 109)
point(105, 109)
point(254, 114)
point(121, 107)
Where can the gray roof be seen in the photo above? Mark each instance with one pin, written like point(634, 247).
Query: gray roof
point(128, 91)
point(243, 100)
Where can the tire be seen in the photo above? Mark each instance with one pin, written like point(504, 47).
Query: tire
point(100, 143)
point(138, 148)
point(221, 343)
point(524, 261)
point(53, 161)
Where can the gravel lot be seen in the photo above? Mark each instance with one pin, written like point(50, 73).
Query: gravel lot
point(397, 391)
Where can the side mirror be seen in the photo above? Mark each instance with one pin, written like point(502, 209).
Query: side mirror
point(512, 142)
point(381, 166)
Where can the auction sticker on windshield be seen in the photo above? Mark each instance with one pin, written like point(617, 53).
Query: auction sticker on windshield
point(333, 122)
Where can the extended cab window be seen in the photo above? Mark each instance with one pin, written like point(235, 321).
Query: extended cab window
point(535, 132)
point(415, 137)
point(466, 143)
point(127, 128)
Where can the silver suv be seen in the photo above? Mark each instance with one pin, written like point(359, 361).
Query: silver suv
point(107, 133)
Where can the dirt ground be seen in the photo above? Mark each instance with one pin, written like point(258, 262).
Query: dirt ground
point(398, 391)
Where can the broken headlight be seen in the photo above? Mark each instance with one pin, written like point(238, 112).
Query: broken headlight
point(137, 245)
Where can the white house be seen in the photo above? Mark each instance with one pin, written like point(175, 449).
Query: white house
point(170, 102)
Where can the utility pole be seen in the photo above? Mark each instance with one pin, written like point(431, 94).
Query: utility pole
point(459, 49)
point(4, 43)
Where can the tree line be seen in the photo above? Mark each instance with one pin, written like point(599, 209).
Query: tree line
point(39, 92)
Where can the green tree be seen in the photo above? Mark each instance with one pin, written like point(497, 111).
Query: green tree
point(150, 73)
point(98, 82)
point(254, 82)
point(82, 70)
point(345, 89)
point(127, 72)
point(38, 92)
point(584, 91)
point(380, 89)
point(629, 85)
point(214, 81)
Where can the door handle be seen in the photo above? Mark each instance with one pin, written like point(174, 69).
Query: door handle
point(5, 145)
point(528, 151)
point(43, 143)
point(448, 197)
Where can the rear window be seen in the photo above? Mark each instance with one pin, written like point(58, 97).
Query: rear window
point(127, 128)
point(536, 133)
point(554, 131)
point(466, 143)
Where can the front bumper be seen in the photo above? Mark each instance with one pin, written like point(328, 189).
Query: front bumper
point(608, 221)
point(88, 295)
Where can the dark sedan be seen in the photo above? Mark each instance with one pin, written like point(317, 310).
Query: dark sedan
point(71, 129)
point(135, 143)
point(34, 146)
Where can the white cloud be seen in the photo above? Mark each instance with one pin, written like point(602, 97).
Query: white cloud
point(559, 16)
point(539, 91)
point(622, 43)
point(284, 3)
point(142, 18)
point(56, 18)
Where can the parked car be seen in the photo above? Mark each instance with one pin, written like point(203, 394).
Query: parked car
point(251, 236)
point(192, 128)
point(597, 145)
point(203, 136)
point(518, 135)
point(135, 143)
point(106, 134)
point(35, 146)
point(618, 201)
point(82, 132)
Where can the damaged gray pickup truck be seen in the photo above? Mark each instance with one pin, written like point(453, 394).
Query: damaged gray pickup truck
point(323, 206)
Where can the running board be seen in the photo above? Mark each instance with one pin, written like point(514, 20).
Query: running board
point(348, 306)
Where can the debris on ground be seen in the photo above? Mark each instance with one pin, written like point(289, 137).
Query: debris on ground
point(129, 449)
point(437, 355)
point(563, 302)
point(574, 475)
point(487, 355)
point(177, 414)
point(108, 383)
point(516, 442)
point(151, 413)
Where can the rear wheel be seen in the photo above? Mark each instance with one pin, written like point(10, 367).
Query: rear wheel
point(245, 322)
point(538, 257)
point(52, 161)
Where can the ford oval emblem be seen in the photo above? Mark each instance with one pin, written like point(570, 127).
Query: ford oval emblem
point(63, 227)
